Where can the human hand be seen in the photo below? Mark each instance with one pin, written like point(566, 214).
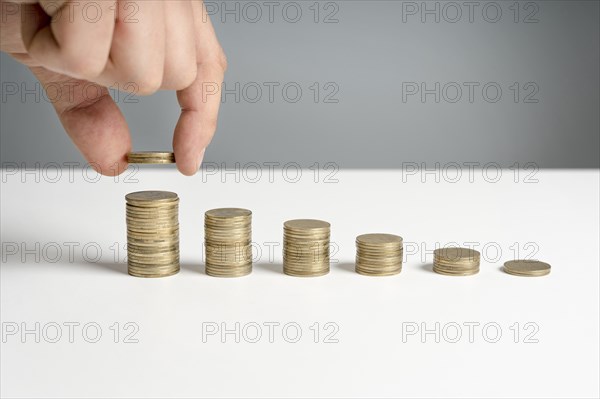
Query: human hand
point(163, 45)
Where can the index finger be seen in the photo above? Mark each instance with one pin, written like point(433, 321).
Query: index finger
point(200, 102)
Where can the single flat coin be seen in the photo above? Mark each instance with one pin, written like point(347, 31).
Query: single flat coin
point(306, 224)
point(151, 157)
point(378, 239)
point(151, 196)
point(227, 213)
point(530, 268)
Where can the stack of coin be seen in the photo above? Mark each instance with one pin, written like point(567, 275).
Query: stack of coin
point(228, 242)
point(151, 157)
point(456, 261)
point(528, 268)
point(152, 233)
point(379, 254)
point(306, 247)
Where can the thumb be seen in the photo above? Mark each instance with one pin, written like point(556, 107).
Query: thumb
point(91, 118)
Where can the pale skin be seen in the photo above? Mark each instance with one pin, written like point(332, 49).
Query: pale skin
point(142, 46)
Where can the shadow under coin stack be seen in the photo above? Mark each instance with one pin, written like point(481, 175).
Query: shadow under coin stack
point(456, 261)
point(306, 247)
point(152, 233)
point(379, 254)
point(228, 242)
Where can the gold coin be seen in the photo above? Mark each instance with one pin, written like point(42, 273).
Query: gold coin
point(216, 271)
point(304, 273)
point(227, 213)
point(392, 271)
point(140, 211)
point(392, 253)
point(163, 271)
point(453, 261)
point(378, 240)
point(149, 207)
point(306, 224)
point(456, 254)
point(306, 247)
point(527, 268)
point(151, 157)
point(228, 242)
point(152, 233)
point(464, 273)
point(379, 254)
point(151, 198)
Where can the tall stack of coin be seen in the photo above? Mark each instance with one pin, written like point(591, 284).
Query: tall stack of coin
point(379, 254)
point(228, 242)
point(456, 261)
point(152, 233)
point(526, 268)
point(151, 157)
point(306, 247)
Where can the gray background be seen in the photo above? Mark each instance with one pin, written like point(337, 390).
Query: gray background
point(367, 55)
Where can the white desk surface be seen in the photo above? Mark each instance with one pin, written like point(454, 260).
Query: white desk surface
point(558, 217)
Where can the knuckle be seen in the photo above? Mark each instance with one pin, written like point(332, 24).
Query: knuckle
point(180, 75)
point(188, 74)
point(217, 60)
point(222, 60)
point(149, 83)
point(83, 67)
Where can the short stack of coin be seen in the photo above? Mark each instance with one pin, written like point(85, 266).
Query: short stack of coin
point(456, 261)
point(152, 233)
point(526, 268)
point(151, 157)
point(306, 247)
point(228, 242)
point(379, 254)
